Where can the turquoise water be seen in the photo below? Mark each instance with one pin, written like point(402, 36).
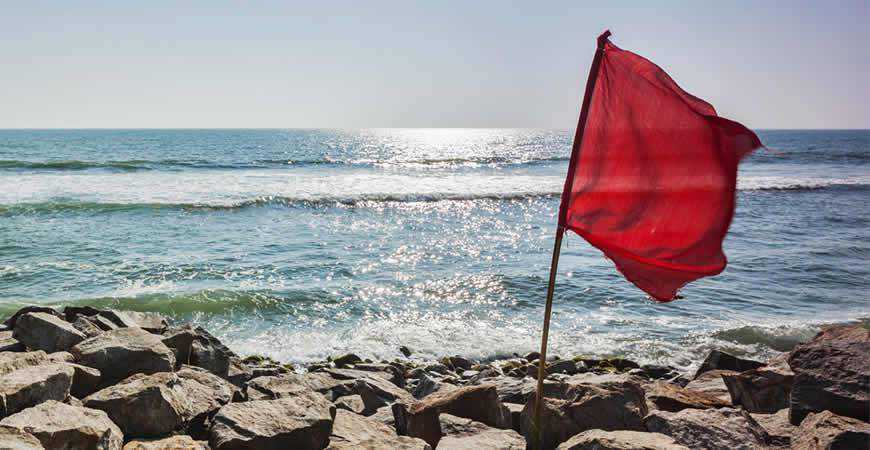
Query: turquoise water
point(304, 243)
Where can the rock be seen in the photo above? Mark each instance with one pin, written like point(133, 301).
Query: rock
point(150, 321)
point(43, 331)
point(205, 393)
point(777, 426)
point(9, 343)
point(718, 360)
point(11, 321)
point(353, 431)
point(620, 440)
point(377, 392)
point(763, 390)
point(30, 386)
point(532, 356)
point(714, 429)
point(120, 353)
point(460, 434)
point(353, 374)
point(15, 439)
point(61, 357)
point(827, 430)
point(302, 421)
point(270, 388)
point(479, 403)
point(516, 412)
point(657, 372)
point(86, 380)
point(669, 397)
point(346, 360)
point(197, 347)
point(179, 442)
point(512, 390)
point(832, 373)
point(457, 362)
point(565, 366)
point(352, 403)
point(87, 326)
point(385, 416)
point(405, 351)
point(711, 382)
point(144, 405)
point(10, 361)
point(389, 372)
point(61, 426)
point(607, 402)
point(427, 385)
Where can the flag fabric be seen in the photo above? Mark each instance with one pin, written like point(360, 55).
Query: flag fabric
point(653, 174)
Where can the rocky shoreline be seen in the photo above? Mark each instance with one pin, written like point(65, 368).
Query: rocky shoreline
point(84, 378)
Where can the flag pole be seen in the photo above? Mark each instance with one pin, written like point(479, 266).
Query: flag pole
point(560, 231)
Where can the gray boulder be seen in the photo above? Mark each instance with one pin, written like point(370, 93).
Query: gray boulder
point(620, 440)
point(61, 426)
point(30, 386)
point(117, 354)
point(9, 343)
point(352, 403)
point(828, 431)
point(274, 387)
point(766, 389)
point(719, 360)
point(832, 372)
point(669, 397)
point(43, 331)
point(15, 439)
point(353, 431)
point(460, 434)
point(777, 426)
point(179, 442)
point(302, 421)
point(11, 361)
point(711, 382)
point(713, 429)
point(205, 393)
point(10, 322)
point(377, 392)
point(86, 380)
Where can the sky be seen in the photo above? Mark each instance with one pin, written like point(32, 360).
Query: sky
point(357, 64)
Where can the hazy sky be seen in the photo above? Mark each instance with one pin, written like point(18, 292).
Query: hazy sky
point(417, 64)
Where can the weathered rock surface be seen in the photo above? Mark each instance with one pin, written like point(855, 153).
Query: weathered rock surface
point(718, 360)
point(109, 319)
point(44, 331)
point(777, 426)
point(179, 442)
point(120, 353)
point(205, 393)
point(346, 360)
point(87, 326)
point(302, 421)
point(144, 405)
point(353, 374)
point(352, 403)
point(714, 429)
point(427, 385)
point(273, 387)
point(9, 343)
point(61, 426)
point(460, 434)
point(30, 386)
point(377, 392)
point(832, 372)
point(10, 361)
point(10, 322)
point(827, 430)
point(479, 403)
point(197, 347)
point(763, 390)
point(711, 382)
point(620, 440)
point(15, 439)
point(353, 431)
point(86, 380)
point(606, 402)
point(668, 397)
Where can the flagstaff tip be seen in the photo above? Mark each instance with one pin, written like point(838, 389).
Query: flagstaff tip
point(603, 38)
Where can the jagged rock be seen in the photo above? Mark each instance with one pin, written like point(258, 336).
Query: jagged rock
point(377, 392)
point(44, 331)
point(512, 390)
point(120, 353)
point(405, 351)
point(531, 356)
point(86, 380)
point(353, 374)
point(657, 372)
point(205, 393)
point(762, 390)
point(607, 402)
point(718, 360)
point(270, 388)
point(516, 412)
point(61, 426)
point(61, 357)
point(86, 326)
point(479, 403)
point(565, 366)
point(457, 362)
point(777, 426)
point(385, 416)
point(302, 421)
point(832, 373)
point(620, 440)
point(14, 439)
point(346, 360)
point(353, 431)
point(9, 343)
point(179, 442)
point(669, 397)
point(29, 386)
point(10, 322)
point(460, 434)
point(827, 430)
point(427, 385)
point(352, 403)
point(392, 373)
point(10, 361)
point(714, 429)
point(144, 405)
point(711, 382)
point(150, 321)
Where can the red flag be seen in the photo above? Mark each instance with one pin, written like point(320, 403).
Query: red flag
point(653, 174)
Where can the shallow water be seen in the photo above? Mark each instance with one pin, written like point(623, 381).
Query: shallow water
point(304, 243)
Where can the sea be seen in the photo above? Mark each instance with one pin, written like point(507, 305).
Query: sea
point(304, 243)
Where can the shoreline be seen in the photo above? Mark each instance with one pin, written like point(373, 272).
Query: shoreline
point(133, 379)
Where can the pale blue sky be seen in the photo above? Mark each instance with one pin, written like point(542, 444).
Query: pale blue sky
point(432, 64)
